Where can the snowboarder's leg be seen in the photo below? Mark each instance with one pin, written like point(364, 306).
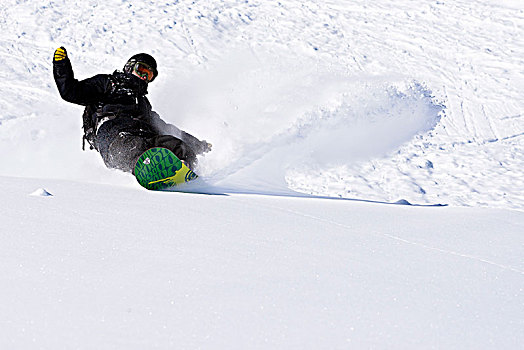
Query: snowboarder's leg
point(177, 146)
point(124, 150)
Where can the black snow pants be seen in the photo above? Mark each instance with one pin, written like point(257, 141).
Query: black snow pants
point(121, 143)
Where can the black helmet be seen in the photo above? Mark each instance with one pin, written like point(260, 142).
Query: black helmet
point(141, 58)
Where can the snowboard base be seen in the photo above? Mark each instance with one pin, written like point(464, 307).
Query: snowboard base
point(158, 169)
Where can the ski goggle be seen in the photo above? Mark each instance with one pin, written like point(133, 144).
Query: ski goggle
point(144, 71)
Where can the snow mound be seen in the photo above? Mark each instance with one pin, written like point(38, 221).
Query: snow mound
point(402, 202)
point(41, 192)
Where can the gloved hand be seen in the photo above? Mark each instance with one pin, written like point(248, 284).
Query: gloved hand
point(205, 146)
point(60, 54)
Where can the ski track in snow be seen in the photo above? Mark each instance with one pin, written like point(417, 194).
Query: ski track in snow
point(400, 239)
point(239, 73)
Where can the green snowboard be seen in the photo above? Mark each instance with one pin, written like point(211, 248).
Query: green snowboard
point(158, 169)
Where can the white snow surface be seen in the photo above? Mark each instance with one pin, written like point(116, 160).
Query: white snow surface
point(361, 104)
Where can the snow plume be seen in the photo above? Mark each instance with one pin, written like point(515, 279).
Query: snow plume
point(266, 115)
point(369, 121)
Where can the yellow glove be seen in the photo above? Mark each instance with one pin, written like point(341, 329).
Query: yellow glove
point(60, 54)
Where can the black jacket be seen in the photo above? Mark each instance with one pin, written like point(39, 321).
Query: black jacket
point(118, 98)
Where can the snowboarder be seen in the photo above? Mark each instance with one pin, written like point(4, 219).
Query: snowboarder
point(118, 119)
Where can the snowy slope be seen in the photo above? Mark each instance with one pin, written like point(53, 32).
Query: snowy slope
point(130, 269)
point(372, 102)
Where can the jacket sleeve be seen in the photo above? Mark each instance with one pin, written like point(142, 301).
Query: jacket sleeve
point(82, 92)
